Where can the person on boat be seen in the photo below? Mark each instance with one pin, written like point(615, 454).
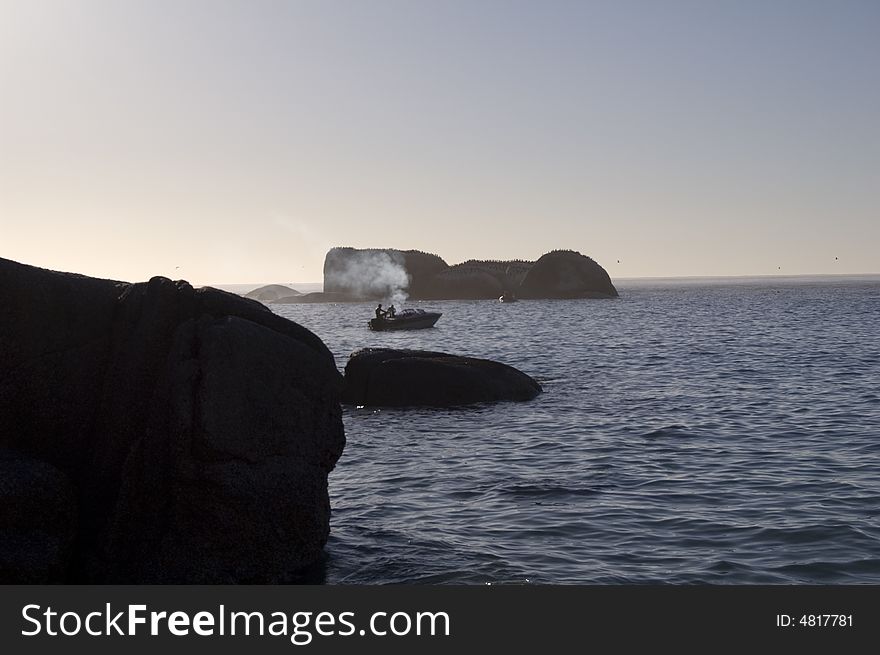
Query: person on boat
point(391, 311)
point(380, 313)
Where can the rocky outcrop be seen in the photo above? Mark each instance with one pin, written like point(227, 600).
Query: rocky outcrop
point(37, 520)
point(383, 377)
point(273, 293)
point(466, 283)
point(566, 274)
point(185, 435)
point(374, 274)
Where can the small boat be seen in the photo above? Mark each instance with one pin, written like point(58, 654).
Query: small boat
point(507, 297)
point(407, 319)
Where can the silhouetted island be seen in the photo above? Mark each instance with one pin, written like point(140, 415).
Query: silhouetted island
point(157, 433)
point(374, 273)
point(273, 293)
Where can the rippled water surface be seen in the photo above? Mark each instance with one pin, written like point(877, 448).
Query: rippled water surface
point(689, 432)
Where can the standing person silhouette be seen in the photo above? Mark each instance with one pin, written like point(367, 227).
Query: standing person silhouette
point(379, 313)
point(391, 311)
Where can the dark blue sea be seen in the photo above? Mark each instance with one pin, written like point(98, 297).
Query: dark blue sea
point(691, 431)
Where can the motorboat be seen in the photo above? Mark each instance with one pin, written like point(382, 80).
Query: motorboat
point(507, 297)
point(407, 319)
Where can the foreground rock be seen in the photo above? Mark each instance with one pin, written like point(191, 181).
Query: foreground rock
point(37, 520)
point(157, 433)
point(383, 377)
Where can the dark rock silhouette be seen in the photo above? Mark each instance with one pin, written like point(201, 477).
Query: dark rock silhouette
point(185, 434)
point(359, 272)
point(274, 293)
point(566, 274)
point(383, 377)
point(373, 274)
point(465, 283)
point(37, 520)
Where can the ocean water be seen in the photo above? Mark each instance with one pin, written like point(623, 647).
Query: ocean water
point(689, 432)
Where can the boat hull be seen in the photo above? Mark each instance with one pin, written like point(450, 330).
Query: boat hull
point(426, 320)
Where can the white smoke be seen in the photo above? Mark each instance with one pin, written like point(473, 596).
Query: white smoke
point(371, 274)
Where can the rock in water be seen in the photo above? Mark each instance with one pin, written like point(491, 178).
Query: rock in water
point(351, 274)
point(566, 274)
point(272, 293)
point(195, 429)
point(384, 377)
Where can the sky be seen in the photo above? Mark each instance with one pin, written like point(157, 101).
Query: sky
point(236, 142)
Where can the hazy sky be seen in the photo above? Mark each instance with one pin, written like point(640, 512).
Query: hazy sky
point(240, 140)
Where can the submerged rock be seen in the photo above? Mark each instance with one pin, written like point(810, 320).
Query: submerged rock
point(384, 377)
point(195, 427)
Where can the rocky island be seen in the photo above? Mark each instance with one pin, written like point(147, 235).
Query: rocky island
point(352, 274)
